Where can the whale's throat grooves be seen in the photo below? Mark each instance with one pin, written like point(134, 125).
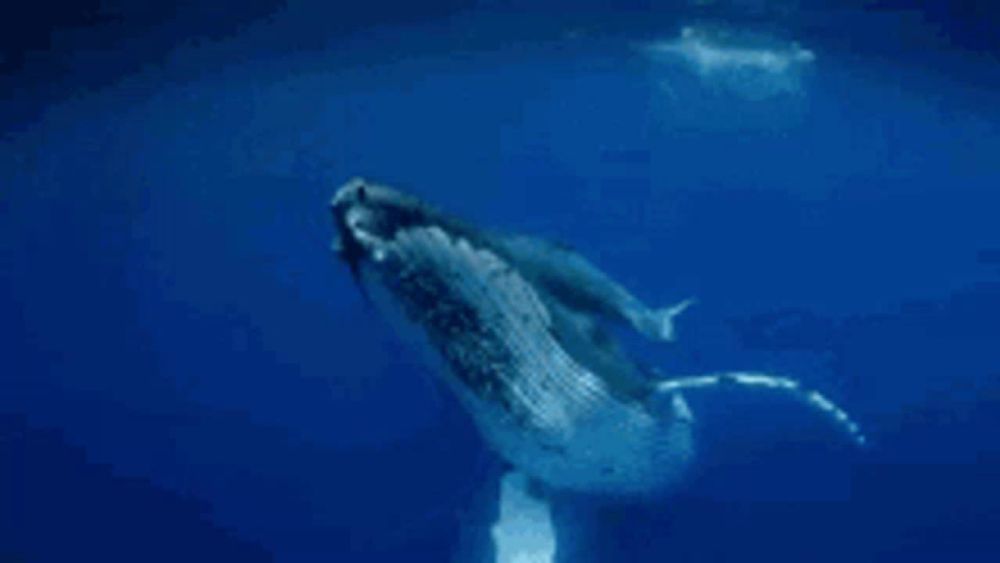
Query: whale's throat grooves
point(489, 326)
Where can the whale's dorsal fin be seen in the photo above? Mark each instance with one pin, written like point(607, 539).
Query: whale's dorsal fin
point(579, 285)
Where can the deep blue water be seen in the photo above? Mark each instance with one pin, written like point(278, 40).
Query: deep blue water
point(188, 374)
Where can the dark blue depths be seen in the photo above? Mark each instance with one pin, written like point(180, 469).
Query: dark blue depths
point(189, 375)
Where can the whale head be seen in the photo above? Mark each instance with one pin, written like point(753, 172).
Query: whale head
point(368, 217)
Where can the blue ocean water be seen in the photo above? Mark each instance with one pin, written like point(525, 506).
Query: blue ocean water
point(189, 374)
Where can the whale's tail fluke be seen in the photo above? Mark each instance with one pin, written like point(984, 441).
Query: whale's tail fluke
point(658, 324)
point(524, 530)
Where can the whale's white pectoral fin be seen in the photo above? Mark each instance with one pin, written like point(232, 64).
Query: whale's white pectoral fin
point(524, 532)
point(772, 386)
point(680, 408)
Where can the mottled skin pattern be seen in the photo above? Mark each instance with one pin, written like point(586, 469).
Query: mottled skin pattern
point(455, 328)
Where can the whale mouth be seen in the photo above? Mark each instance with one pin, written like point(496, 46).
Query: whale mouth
point(360, 219)
point(368, 217)
point(349, 242)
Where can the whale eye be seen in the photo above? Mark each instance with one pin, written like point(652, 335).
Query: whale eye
point(362, 194)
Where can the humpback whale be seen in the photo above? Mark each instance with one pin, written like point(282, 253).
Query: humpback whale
point(520, 330)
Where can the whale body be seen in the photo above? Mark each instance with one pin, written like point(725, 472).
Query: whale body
point(519, 330)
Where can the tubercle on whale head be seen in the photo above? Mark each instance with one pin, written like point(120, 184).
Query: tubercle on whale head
point(367, 217)
point(347, 245)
